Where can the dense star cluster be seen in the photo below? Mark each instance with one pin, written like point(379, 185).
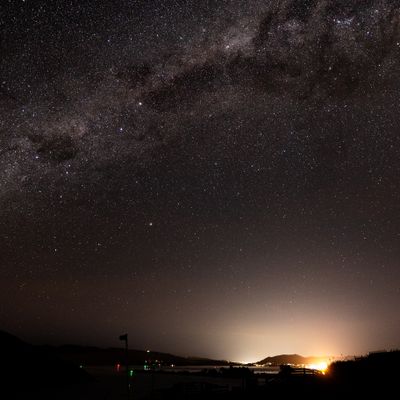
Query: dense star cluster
point(216, 177)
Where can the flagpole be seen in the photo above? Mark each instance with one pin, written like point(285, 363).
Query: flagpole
point(125, 338)
point(127, 365)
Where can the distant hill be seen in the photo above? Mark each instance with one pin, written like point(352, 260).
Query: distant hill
point(110, 356)
point(291, 359)
point(15, 352)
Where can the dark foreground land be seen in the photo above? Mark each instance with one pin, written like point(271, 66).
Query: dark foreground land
point(29, 372)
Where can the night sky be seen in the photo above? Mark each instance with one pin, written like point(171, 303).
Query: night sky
point(216, 178)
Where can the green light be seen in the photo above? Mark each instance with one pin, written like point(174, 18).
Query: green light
point(81, 366)
point(131, 373)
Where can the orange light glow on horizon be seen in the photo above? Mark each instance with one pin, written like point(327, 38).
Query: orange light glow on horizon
point(321, 366)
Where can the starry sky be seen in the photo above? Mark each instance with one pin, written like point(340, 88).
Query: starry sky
point(217, 178)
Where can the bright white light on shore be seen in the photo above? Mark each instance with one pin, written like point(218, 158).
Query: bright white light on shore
point(246, 362)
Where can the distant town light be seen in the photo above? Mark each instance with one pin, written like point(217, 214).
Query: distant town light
point(321, 366)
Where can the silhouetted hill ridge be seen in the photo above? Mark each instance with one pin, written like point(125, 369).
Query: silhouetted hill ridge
point(290, 359)
point(35, 366)
point(89, 355)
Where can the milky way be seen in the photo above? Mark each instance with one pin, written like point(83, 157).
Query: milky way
point(162, 159)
